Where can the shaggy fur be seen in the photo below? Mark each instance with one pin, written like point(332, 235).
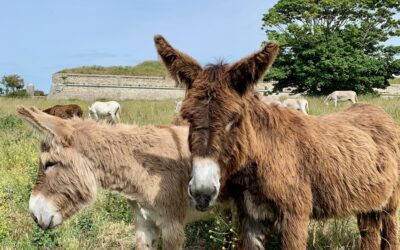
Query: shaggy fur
point(148, 165)
point(292, 166)
point(177, 120)
point(65, 111)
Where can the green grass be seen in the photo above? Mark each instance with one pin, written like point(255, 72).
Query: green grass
point(394, 81)
point(109, 222)
point(147, 68)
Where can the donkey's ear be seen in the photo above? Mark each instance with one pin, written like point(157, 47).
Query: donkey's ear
point(48, 125)
point(182, 67)
point(248, 71)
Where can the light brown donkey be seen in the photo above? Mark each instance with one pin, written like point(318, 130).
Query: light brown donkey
point(148, 165)
point(301, 166)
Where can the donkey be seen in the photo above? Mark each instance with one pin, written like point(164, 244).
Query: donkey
point(102, 109)
point(178, 105)
point(177, 120)
point(341, 96)
point(297, 166)
point(299, 104)
point(150, 166)
point(271, 99)
point(65, 111)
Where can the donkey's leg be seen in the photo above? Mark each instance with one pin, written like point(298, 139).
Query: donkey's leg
point(95, 116)
point(389, 239)
point(173, 236)
point(147, 233)
point(369, 227)
point(253, 234)
point(294, 231)
point(113, 118)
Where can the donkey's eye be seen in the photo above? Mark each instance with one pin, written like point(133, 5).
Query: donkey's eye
point(49, 164)
point(233, 122)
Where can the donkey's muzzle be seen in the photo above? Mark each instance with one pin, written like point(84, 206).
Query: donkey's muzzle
point(42, 223)
point(203, 199)
point(204, 186)
point(43, 212)
point(202, 202)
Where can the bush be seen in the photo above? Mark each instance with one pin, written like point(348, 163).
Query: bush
point(39, 93)
point(18, 94)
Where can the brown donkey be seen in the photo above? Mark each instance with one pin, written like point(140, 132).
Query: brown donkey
point(292, 166)
point(150, 166)
point(65, 111)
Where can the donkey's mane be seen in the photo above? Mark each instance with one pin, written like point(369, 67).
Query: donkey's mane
point(215, 72)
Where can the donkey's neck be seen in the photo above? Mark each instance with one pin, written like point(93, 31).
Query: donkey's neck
point(135, 160)
point(267, 124)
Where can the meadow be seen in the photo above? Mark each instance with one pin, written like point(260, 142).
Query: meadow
point(109, 222)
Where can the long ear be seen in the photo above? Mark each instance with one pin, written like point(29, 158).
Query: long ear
point(182, 67)
point(248, 71)
point(48, 125)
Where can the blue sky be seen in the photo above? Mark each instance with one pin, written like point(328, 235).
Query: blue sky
point(41, 37)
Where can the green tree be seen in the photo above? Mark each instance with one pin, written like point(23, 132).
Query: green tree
point(12, 83)
point(328, 44)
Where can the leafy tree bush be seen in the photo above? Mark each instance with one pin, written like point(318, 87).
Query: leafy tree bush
point(329, 45)
point(18, 94)
point(12, 83)
point(39, 93)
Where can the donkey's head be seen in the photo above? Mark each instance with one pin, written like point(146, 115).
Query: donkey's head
point(215, 107)
point(65, 181)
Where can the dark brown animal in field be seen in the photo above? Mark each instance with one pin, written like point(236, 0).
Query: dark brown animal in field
point(177, 120)
point(65, 111)
point(292, 167)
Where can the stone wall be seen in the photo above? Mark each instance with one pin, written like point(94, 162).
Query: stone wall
point(113, 87)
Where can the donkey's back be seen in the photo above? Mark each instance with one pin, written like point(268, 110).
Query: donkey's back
point(358, 161)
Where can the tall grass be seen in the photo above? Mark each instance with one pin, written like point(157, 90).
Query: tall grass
point(109, 222)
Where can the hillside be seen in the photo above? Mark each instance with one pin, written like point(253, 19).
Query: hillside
point(146, 68)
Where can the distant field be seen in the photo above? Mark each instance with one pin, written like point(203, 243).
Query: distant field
point(109, 223)
point(394, 81)
point(147, 68)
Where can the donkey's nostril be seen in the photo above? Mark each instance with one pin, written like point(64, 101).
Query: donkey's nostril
point(214, 192)
point(202, 202)
point(34, 218)
point(51, 222)
point(190, 191)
